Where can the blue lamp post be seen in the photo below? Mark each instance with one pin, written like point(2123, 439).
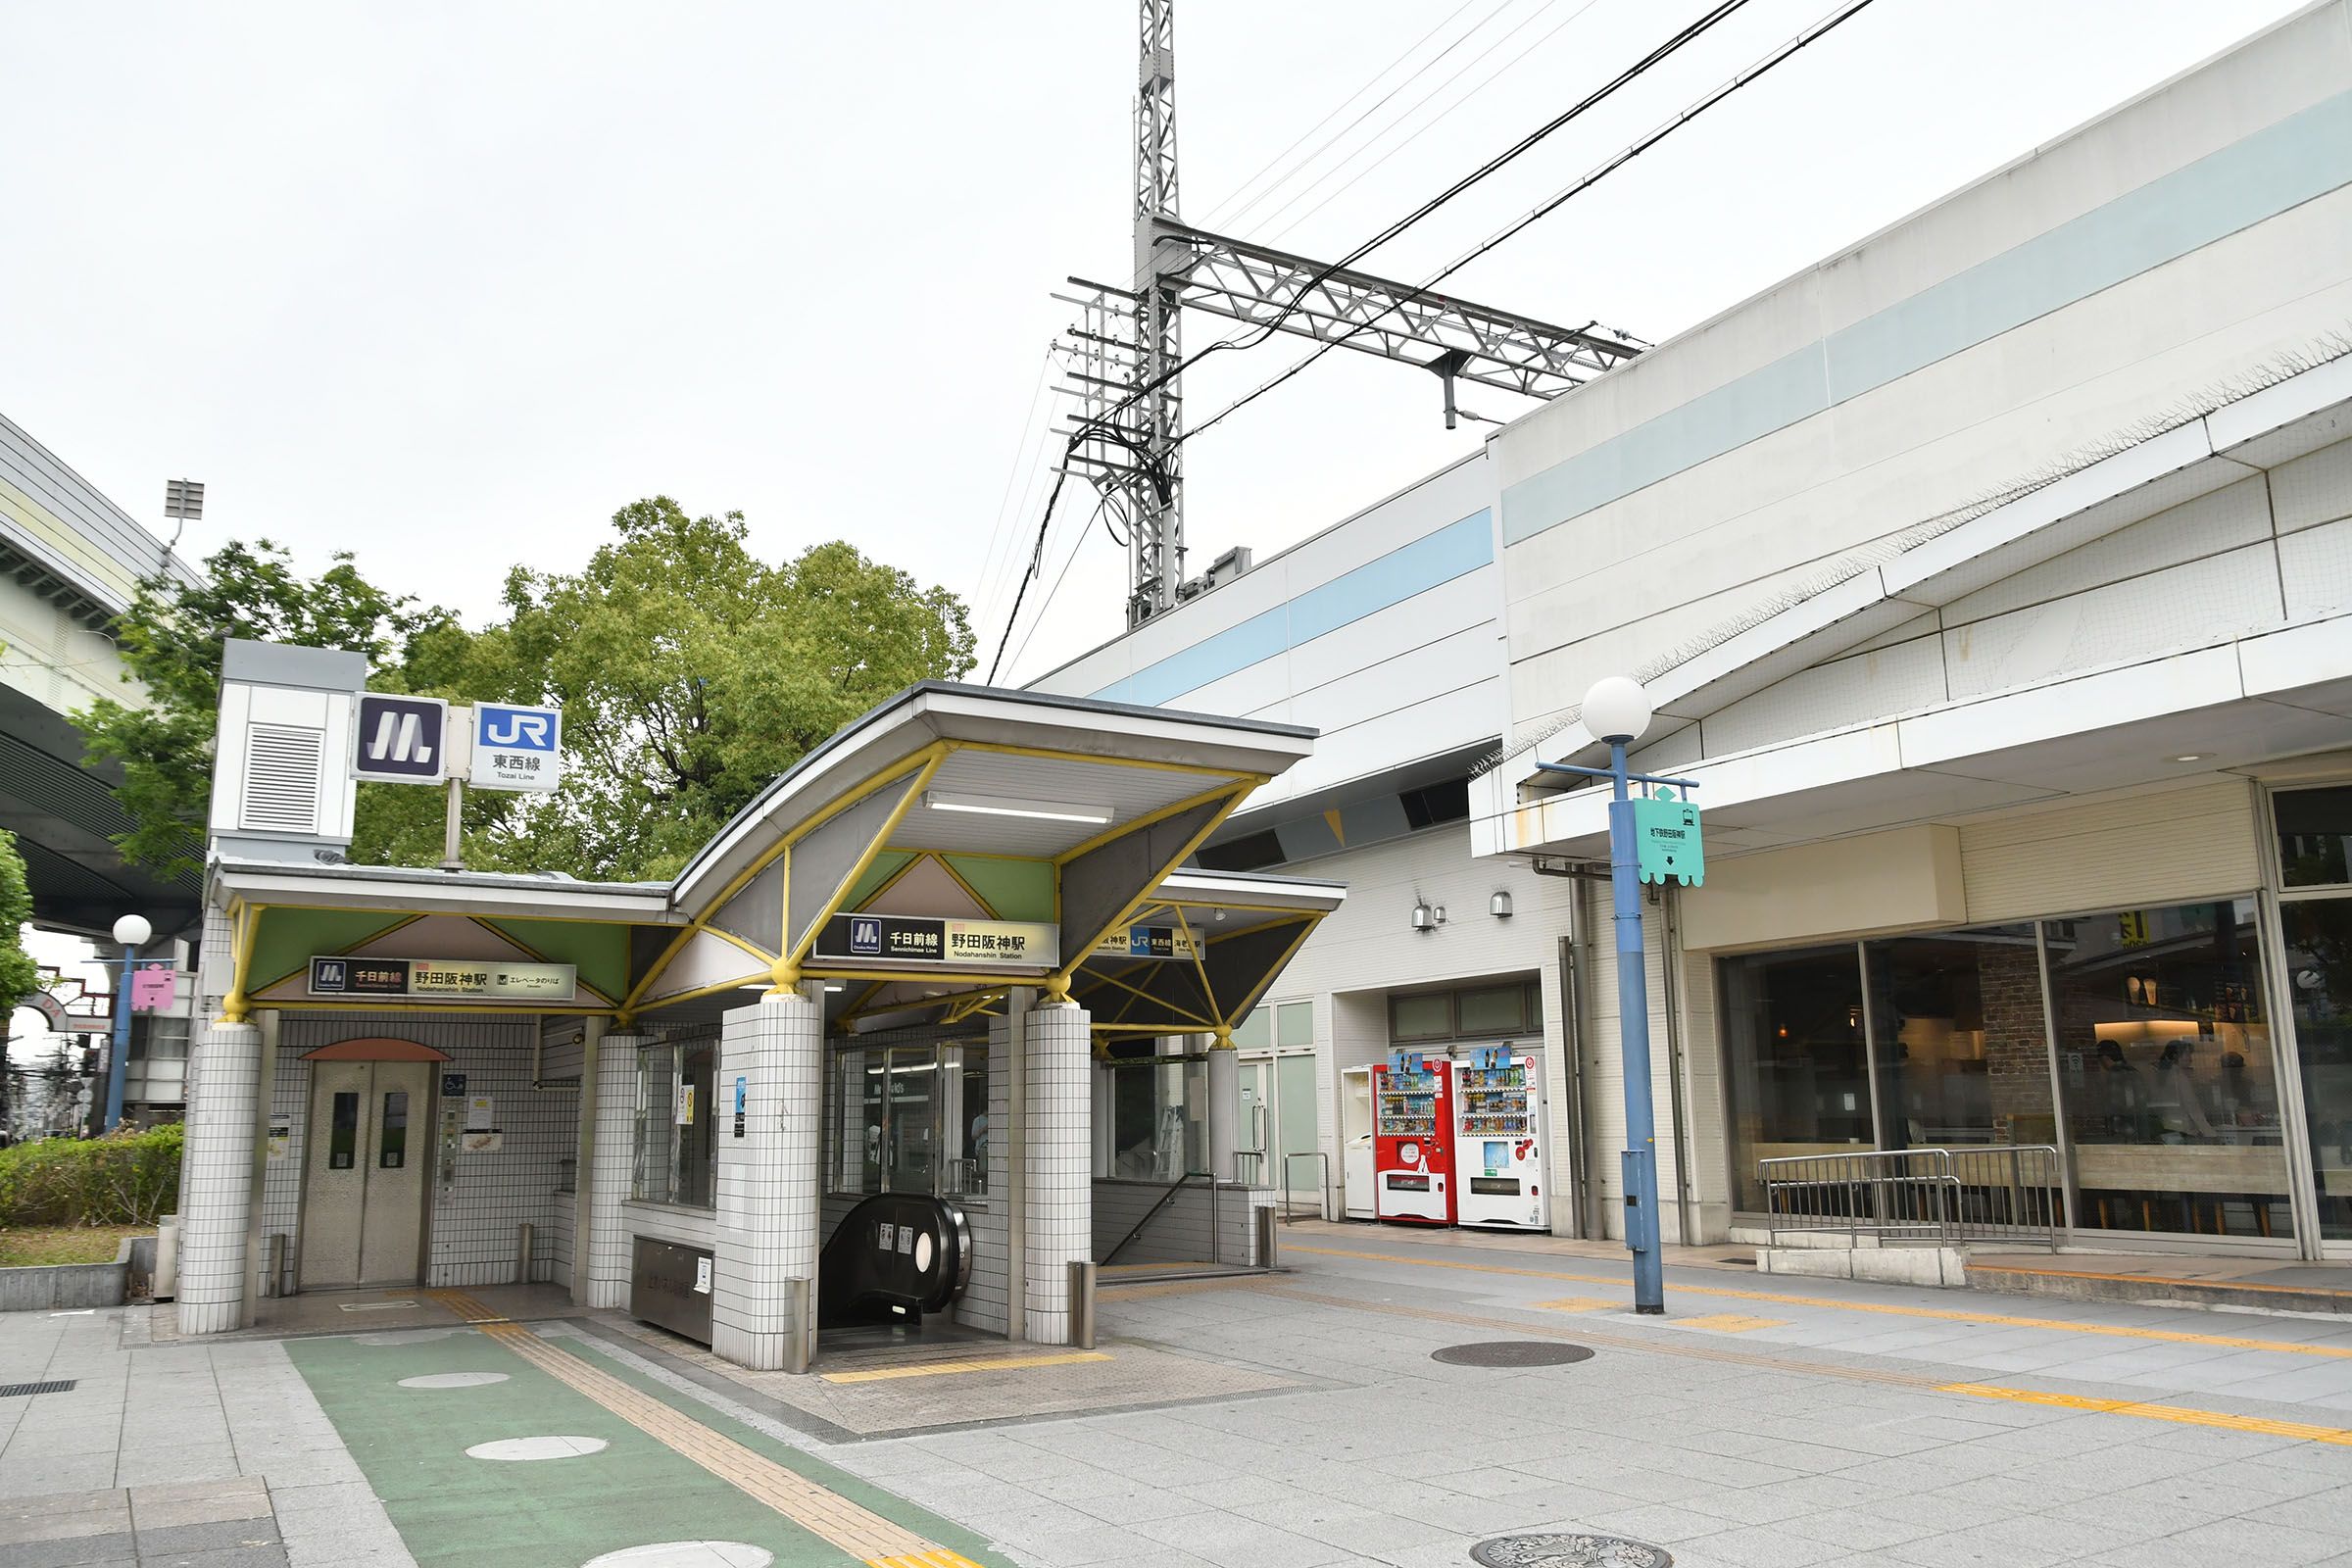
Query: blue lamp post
point(1617, 711)
point(132, 931)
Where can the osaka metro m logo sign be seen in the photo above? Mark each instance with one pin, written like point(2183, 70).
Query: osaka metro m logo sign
point(400, 739)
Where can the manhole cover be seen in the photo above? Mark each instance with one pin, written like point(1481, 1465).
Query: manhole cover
point(1544, 1551)
point(1514, 1353)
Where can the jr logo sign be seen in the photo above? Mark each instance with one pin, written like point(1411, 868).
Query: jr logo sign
point(400, 739)
point(516, 748)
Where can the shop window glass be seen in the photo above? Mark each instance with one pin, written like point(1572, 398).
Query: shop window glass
point(2319, 984)
point(1425, 1016)
point(2168, 1082)
point(676, 1144)
point(1493, 1010)
point(1795, 1059)
point(1962, 1047)
point(2314, 836)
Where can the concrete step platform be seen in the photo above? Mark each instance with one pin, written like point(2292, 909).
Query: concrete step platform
point(2260, 1283)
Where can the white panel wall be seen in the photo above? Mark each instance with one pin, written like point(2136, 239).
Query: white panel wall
point(1444, 497)
point(1415, 679)
point(2121, 852)
point(1653, 566)
point(1368, 946)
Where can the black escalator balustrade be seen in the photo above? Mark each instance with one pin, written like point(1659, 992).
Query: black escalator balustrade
point(896, 1257)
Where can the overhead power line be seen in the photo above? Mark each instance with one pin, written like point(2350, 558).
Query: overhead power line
point(1100, 427)
point(1436, 119)
point(1681, 39)
point(1336, 136)
point(1626, 156)
point(1340, 106)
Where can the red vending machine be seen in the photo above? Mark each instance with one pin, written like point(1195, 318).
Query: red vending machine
point(1412, 1141)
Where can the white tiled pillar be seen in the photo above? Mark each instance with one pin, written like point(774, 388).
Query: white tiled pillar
point(612, 1157)
point(217, 1177)
point(767, 1199)
point(1058, 1203)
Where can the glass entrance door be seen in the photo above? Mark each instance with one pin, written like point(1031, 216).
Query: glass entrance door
point(1253, 1146)
point(2318, 937)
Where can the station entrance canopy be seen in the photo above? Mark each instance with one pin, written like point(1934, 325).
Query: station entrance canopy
point(953, 844)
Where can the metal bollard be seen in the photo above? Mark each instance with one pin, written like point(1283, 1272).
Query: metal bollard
point(799, 1349)
point(1082, 1305)
point(522, 1253)
point(1265, 1237)
point(167, 1258)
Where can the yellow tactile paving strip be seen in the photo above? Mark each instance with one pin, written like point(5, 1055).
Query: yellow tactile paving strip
point(855, 1529)
point(1697, 1350)
point(1885, 1310)
point(1731, 1323)
point(2180, 1414)
point(934, 1369)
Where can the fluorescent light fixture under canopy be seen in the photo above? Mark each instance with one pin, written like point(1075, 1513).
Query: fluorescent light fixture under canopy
point(998, 805)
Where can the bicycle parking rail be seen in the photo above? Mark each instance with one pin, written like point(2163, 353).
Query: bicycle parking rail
point(1919, 1197)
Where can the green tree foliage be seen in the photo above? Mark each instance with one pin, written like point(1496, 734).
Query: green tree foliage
point(20, 976)
point(170, 642)
point(691, 673)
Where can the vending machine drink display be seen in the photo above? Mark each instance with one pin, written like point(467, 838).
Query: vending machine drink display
point(1413, 1137)
point(1498, 1141)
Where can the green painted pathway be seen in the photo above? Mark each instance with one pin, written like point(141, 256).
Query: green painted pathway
point(452, 1510)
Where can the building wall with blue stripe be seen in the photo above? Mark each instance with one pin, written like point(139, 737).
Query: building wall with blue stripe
point(1382, 631)
point(2187, 239)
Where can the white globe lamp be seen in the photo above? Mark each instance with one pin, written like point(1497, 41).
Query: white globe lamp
point(1616, 710)
point(133, 930)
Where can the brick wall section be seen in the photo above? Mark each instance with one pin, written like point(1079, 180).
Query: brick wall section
point(2016, 1060)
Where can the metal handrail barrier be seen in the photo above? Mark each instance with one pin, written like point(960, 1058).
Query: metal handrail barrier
point(1165, 1199)
point(1304, 1154)
point(1919, 1197)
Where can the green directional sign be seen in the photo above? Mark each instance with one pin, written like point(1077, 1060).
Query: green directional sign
point(1667, 840)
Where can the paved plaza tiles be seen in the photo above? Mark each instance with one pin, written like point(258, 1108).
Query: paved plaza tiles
point(1292, 1419)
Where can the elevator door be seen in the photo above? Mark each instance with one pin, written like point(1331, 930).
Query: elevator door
point(363, 1216)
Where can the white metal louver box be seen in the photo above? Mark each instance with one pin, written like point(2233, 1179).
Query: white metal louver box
point(281, 748)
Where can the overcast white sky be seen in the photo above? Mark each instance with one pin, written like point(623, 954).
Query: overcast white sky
point(447, 285)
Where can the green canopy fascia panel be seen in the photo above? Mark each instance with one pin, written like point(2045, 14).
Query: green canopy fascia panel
point(286, 939)
point(1016, 890)
point(599, 951)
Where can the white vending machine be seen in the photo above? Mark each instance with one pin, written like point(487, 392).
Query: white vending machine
point(1355, 1140)
point(1498, 1141)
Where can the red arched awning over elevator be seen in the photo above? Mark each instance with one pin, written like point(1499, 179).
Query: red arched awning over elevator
point(382, 1049)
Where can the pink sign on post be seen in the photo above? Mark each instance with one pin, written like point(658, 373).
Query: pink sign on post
point(153, 986)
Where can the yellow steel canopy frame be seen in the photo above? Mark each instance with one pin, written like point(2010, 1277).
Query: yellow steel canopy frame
point(789, 965)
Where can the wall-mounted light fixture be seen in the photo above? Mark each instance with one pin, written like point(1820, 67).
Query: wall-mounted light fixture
point(1500, 905)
